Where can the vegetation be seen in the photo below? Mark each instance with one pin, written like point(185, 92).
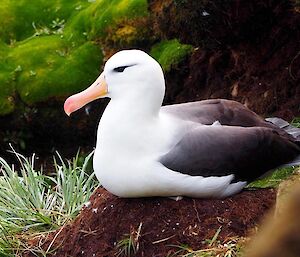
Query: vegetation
point(274, 178)
point(169, 53)
point(129, 245)
point(42, 43)
point(32, 203)
point(296, 122)
point(230, 247)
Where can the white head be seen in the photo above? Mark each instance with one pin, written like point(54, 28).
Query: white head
point(129, 75)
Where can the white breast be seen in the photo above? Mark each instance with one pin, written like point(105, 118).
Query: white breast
point(128, 149)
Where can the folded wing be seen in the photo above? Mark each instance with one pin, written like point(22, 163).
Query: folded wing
point(246, 152)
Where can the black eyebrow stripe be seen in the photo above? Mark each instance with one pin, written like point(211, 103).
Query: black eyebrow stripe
point(122, 68)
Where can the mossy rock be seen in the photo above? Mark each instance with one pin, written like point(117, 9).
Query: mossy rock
point(53, 48)
point(170, 53)
point(21, 19)
point(54, 69)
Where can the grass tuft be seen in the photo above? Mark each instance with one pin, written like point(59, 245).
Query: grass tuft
point(129, 245)
point(31, 202)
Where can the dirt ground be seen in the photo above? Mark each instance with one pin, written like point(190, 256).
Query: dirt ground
point(164, 223)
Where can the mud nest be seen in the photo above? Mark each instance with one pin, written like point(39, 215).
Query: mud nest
point(160, 222)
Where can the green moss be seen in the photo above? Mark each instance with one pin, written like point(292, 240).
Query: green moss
point(6, 93)
point(49, 49)
point(55, 69)
point(21, 18)
point(274, 179)
point(7, 83)
point(93, 22)
point(170, 53)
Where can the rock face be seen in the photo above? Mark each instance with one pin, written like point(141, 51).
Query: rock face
point(246, 51)
point(242, 50)
point(161, 223)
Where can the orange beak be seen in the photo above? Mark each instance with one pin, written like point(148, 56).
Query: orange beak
point(97, 90)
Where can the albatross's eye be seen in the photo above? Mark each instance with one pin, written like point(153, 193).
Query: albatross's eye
point(120, 69)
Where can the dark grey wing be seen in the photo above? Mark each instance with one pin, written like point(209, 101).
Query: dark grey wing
point(227, 112)
point(222, 150)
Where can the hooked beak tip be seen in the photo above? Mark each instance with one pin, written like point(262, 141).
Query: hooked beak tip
point(67, 106)
point(97, 90)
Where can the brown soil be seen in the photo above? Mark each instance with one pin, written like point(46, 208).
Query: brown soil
point(164, 222)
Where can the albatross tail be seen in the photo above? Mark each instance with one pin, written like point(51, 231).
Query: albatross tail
point(290, 129)
point(287, 127)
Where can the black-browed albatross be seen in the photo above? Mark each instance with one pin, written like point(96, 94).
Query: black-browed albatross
point(210, 148)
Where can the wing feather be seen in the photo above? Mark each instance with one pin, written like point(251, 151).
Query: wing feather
point(227, 112)
point(246, 152)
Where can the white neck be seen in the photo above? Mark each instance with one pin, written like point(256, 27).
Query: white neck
point(131, 116)
point(137, 102)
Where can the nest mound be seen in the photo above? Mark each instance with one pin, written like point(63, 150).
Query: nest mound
point(162, 223)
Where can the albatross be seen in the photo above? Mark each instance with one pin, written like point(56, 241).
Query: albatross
point(204, 149)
